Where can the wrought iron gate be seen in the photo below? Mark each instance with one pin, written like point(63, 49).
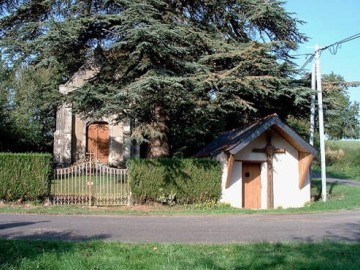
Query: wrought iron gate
point(90, 183)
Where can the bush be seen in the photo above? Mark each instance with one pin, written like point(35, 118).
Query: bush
point(333, 155)
point(24, 176)
point(171, 181)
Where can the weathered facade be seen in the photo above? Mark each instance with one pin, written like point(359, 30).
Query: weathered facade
point(76, 137)
point(265, 165)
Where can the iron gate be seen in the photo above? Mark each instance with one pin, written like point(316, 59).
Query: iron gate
point(90, 183)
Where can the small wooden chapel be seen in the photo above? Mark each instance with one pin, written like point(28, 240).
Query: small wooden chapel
point(264, 165)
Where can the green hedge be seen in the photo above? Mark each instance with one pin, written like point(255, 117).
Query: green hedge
point(173, 181)
point(24, 176)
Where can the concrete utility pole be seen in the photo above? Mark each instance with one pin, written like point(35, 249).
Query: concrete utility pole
point(312, 108)
point(321, 122)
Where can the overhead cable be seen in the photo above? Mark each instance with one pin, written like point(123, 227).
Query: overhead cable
point(333, 48)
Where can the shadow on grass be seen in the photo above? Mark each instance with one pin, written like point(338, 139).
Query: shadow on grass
point(318, 187)
point(40, 246)
point(25, 254)
point(322, 255)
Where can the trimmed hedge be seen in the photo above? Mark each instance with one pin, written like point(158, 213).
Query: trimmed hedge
point(171, 181)
point(24, 176)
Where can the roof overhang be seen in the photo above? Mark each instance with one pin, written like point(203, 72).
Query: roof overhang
point(283, 130)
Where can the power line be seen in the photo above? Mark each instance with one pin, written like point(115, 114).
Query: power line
point(333, 48)
point(302, 54)
point(309, 60)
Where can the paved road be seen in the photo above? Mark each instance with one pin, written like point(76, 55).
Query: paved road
point(355, 183)
point(343, 225)
point(330, 180)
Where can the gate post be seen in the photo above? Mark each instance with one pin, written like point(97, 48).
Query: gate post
point(90, 181)
point(129, 198)
point(128, 188)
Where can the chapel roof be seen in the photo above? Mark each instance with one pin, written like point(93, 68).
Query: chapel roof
point(234, 140)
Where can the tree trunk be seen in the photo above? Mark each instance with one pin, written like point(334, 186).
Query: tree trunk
point(158, 145)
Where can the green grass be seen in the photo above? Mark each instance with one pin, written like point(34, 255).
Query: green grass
point(101, 255)
point(340, 197)
point(344, 164)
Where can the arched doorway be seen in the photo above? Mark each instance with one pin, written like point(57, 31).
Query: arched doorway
point(97, 141)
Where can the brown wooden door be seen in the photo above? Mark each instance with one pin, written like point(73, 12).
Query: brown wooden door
point(98, 141)
point(251, 192)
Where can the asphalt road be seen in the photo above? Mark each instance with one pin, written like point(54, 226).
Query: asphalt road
point(329, 180)
point(342, 225)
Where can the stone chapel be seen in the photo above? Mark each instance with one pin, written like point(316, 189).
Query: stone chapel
point(76, 137)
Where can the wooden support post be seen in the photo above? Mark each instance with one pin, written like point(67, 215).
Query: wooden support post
point(230, 164)
point(270, 184)
point(269, 150)
point(304, 167)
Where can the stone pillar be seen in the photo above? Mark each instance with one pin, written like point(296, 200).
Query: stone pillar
point(134, 146)
point(116, 144)
point(127, 140)
point(63, 135)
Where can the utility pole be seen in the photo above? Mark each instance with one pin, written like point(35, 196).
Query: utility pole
point(312, 106)
point(321, 122)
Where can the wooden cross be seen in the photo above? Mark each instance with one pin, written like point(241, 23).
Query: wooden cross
point(269, 150)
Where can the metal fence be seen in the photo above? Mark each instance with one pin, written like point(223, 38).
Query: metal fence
point(90, 183)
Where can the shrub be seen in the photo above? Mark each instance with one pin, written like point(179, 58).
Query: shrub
point(24, 176)
point(333, 155)
point(171, 181)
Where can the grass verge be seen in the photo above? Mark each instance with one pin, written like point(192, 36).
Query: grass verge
point(340, 197)
point(21, 254)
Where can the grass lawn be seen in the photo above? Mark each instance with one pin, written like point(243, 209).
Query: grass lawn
point(19, 254)
point(342, 159)
point(340, 197)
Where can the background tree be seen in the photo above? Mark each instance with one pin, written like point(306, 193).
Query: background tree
point(181, 70)
point(5, 127)
point(28, 99)
point(33, 108)
point(342, 115)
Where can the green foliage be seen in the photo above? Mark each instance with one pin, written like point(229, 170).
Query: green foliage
point(342, 117)
point(29, 98)
point(301, 126)
point(5, 75)
point(181, 70)
point(171, 181)
point(342, 159)
point(24, 176)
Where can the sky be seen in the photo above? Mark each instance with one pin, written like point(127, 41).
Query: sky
point(329, 21)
